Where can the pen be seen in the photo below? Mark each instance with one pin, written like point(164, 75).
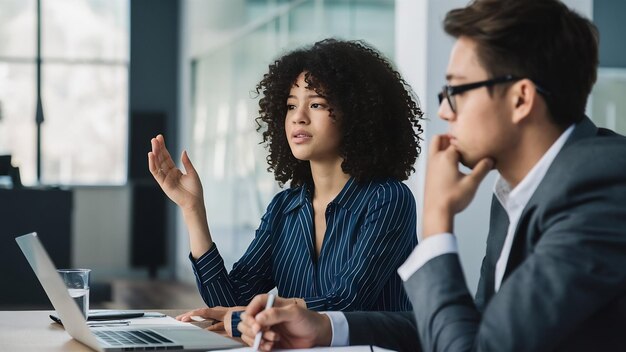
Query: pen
point(95, 323)
point(257, 338)
point(114, 315)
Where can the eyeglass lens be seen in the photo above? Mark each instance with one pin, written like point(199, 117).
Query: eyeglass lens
point(448, 97)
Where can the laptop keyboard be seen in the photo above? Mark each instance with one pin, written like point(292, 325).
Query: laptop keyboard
point(139, 338)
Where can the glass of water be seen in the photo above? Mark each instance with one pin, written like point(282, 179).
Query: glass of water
point(77, 283)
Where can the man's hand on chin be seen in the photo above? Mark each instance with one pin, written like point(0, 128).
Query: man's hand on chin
point(447, 190)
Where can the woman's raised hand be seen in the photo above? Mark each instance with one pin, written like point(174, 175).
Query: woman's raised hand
point(184, 189)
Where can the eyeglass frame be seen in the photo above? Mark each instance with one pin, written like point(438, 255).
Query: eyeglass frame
point(449, 91)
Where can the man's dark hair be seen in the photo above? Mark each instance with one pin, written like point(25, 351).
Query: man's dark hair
point(541, 40)
point(375, 106)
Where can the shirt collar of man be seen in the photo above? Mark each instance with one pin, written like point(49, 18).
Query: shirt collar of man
point(514, 200)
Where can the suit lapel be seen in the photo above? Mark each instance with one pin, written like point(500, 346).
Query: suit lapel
point(523, 232)
point(498, 225)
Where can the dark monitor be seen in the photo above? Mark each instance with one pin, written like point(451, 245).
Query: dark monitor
point(7, 169)
point(5, 164)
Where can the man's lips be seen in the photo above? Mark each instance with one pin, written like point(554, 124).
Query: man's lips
point(452, 140)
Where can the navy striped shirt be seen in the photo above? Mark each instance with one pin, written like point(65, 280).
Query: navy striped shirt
point(370, 231)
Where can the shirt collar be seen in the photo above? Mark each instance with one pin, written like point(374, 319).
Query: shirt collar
point(300, 199)
point(517, 198)
point(347, 198)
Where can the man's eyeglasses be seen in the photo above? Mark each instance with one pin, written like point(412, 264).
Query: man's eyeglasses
point(448, 92)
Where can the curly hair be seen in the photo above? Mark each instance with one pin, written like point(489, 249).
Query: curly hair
point(378, 111)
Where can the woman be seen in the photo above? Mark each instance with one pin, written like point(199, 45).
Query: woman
point(339, 123)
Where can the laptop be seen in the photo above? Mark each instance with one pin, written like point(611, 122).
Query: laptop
point(122, 338)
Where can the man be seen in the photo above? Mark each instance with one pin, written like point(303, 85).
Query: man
point(554, 273)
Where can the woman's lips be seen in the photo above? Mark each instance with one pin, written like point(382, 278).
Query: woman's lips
point(300, 137)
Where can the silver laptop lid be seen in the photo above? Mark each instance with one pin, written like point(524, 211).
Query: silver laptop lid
point(66, 307)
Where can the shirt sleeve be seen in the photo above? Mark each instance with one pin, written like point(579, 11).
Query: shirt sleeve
point(384, 241)
point(340, 329)
point(251, 275)
point(213, 280)
point(428, 249)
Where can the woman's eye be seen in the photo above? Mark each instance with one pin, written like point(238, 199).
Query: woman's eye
point(316, 106)
point(290, 107)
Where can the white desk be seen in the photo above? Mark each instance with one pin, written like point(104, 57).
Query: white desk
point(34, 331)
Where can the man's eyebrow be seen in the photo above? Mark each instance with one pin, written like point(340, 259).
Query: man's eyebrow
point(451, 76)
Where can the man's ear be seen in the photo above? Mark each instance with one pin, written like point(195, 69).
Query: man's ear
point(523, 95)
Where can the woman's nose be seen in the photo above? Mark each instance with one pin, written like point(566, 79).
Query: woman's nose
point(300, 116)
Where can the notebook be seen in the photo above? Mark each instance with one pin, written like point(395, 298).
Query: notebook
point(123, 338)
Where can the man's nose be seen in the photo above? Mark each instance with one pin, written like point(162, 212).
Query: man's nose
point(445, 111)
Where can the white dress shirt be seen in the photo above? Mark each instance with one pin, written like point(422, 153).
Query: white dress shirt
point(513, 201)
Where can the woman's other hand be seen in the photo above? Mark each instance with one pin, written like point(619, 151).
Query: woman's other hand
point(222, 316)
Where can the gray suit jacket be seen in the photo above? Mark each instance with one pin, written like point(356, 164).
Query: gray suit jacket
point(564, 287)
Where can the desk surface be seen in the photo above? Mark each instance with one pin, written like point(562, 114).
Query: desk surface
point(34, 331)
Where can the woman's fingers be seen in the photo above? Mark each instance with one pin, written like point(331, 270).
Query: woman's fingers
point(189, 169)
point(157, 152)
point(219, 326)
point(152, 164)
point(157, 173)
point(201, 312)
point(162, 159)
point(158, 168)
point(160, 162)
point(166, 162)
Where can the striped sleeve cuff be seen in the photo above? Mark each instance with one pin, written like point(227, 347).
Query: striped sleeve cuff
point(208, 266)
point(235, 319)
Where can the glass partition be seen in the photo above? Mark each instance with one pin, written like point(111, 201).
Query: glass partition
point(224, 143)
point(608, 106)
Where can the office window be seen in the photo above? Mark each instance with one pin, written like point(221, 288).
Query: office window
point(84, 89)
point(608, 106)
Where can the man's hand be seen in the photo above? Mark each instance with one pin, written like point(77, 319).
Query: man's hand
point(287, 325)
point(447, 190)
